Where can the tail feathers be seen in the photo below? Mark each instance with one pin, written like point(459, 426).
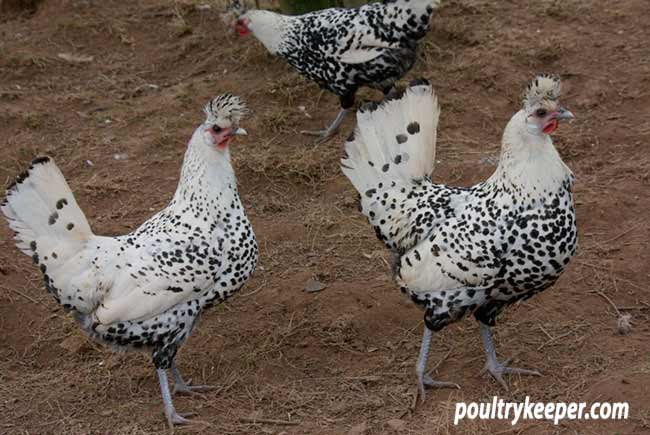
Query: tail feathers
point(394, 141)
point(44, 214)
point(390, 156)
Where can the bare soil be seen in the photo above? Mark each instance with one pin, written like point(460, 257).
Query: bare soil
point(116, 112)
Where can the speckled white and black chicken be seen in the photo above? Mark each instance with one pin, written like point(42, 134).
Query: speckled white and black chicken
point(144, 290)
point(342, 49)
point(473, 250)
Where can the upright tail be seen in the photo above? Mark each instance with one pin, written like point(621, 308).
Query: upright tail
point(394, 141)
point(44, 214)
point(390, 154)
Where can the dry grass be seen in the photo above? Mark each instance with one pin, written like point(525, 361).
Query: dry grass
point(343, 356)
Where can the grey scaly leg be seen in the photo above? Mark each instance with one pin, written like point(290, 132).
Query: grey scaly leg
point(180, 386)
point(423, 378)
point(494, 367)
point(329, 131)
point(173, 417)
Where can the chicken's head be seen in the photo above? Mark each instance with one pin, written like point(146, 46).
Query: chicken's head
point(541, 104)
point(222, 122)
point(242, 26)
point(234, 17)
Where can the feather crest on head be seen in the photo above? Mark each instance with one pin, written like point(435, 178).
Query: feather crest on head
point(543, 87)
point(237, 6)
point(225, 107)
point(235, 9)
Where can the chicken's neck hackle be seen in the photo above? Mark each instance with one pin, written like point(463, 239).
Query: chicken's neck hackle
point(529, 165)
point(207, 175)
point(269, 27)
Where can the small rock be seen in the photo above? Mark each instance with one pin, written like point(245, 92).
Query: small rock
point(359, 429)
point(314, 286)
point(625, 324)
point(396, 424)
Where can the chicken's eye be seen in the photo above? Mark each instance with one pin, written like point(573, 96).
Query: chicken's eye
point(216, 128)
point(541, 113)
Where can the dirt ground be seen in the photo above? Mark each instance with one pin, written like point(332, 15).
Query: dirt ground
point(113, 90)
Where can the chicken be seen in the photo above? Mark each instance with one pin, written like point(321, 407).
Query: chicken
point(342, 49)
point(145, 290)
point(466, 250)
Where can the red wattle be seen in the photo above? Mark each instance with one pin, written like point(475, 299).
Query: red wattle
point(242, 29)
point(551, 126)
point(224, 144)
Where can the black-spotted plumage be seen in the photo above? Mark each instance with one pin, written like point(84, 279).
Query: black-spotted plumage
point(344, 49)
point(466, 250)
point(147, 289)
point(494, 242)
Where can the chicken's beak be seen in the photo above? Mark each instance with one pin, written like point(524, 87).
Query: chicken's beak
point(239, 132)
point(564, 114)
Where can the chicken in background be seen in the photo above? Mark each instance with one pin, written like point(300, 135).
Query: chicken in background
point(474, 250)
point(145, 290)
point(342, 49)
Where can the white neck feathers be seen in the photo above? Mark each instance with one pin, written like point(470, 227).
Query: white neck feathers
point(205, 172)
point(268, 27)
point(529, 163)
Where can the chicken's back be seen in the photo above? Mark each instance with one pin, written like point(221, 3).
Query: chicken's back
point(344, 49)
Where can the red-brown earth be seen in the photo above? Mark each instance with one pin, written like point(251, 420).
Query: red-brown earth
point(344, 357)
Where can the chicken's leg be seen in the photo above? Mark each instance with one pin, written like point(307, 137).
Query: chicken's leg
point(180, 386)
point(494, 367)
point(347, 105)
point(329, 131)
point(173, 418)
point(423, 378)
